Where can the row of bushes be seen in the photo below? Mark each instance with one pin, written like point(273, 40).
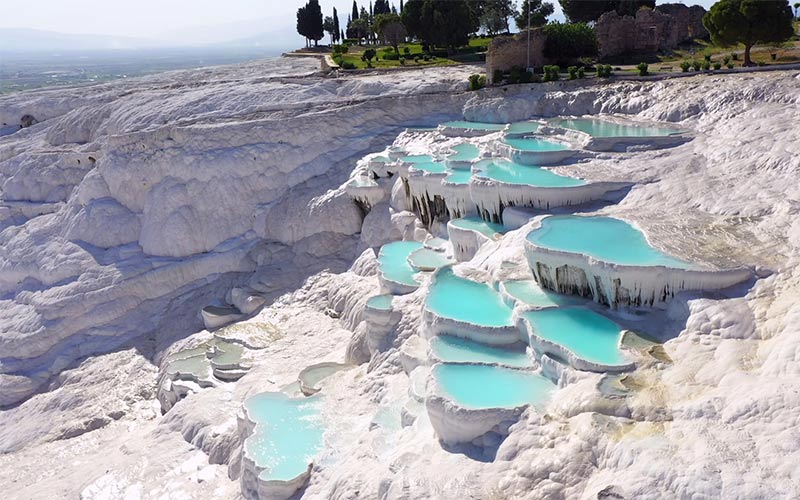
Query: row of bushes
point(550, 73)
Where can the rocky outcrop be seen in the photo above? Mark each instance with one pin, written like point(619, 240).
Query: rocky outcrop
point(507, 52)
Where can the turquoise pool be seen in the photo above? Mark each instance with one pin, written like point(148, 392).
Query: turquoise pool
point(287, 436)
point(604, 238)
point(524, 128)
point(488, 229)
point(417, 159)
point(434, 167)
point(510, 172)
point(427, 259)
point(458, 177)
point(529, 292)
point(481, 386)
point(585, 333)
point(489, 127)
point(464, 152)
point(393, 262)
point(602, 128)
point(460, 299)
point(380, 302)
point(534, 144)
point(457, 350)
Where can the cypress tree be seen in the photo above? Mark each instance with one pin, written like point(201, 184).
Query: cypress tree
point(354, 16)
point(336, 27)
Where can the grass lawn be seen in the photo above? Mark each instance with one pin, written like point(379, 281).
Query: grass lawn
point(413, 54)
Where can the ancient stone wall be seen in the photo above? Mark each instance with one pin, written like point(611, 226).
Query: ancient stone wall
point(508, 51)
point(650, 31)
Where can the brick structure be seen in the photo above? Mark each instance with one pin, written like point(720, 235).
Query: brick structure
point(505, 52)
point(650, 31)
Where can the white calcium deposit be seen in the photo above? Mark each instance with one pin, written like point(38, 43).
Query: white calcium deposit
point(133, 205)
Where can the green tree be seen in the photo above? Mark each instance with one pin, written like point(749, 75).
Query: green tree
point(539, 12)
point(354, 15)
point(330, 28)
point(381, 7)
point(494, 18)
point(336, 26)
point(358, 29)
point(749, 22)
point(309, 22)
point(439, 23)
point(391, 30)
point(586, 11)
point(568, 42)
point(796, 9)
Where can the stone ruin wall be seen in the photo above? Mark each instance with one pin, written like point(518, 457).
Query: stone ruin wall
point(505, 52)
point(650, 31)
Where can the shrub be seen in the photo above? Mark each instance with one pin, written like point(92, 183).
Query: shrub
point(726, 60)
point(341, 49)
point(573, 72)
point(707, 57)
point(406, 51)
point(551, 73)
point(515, 75)
point(642, 67)
point(696, 65)
point(581, 72)
point(734, 56)
point(477, 82)
point(717, 65)
point(497, 77)
point(369, 54)
point(526, 77)
point(347, 65)
point(706, 66)
point(774, 56)
point(729, 65)
point(337, 59)
point(391, 57)
point(402, 61)
point(603, 70)
point(761, 63)
point(685, 66)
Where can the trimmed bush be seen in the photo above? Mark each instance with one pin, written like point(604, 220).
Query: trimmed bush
point(686, 66)
point(642, 67)
point(707, 57)
point(726, 60)
point(581, 72)
point(706, 66)
point(603, 70)
point(551, 73)
point(696, 65)
point(573, 72)
point(477, 82)
point(717, 65)
point(497, 77)
point(341, 49)
point(734, 56)
point(347, 65)
point(729, 65)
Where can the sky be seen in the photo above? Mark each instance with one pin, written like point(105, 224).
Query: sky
point(184, 21)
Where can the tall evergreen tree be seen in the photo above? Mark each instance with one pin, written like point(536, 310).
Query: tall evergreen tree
point(354, 16)
point(401, 6)
point(440, 23)
point(336, 26)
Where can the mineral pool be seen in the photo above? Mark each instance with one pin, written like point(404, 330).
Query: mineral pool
point(604, 238)
point(457, 350)
point(583, 332)
point(488, 229)
point(534, 144)
point(393, 262)
point(602, 128)
point(464, 300)
point(489, 127)
point(458, 177)
point(426, 259)
point(485, 386)
point(523, 128)
point(529, 292)
point(288, 434)
point(464, 152)
point(380, 302)
point(510, 172)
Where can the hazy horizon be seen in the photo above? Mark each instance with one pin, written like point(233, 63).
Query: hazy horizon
point(182, 22)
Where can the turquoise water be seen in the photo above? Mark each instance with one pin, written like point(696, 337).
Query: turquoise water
point(534, 144)
point(488, 229)
point(464, 152)
point(380, 302)
point(529, 292)
point(601, 128)
point(435, 243)
point(287, 436)
point(491, 127)
point(587, 334)
point(459, 177)
point(427, 259)
point(380, 159)
point(453, 349)
point(434, 167)
point(393, 261)
point(604, 238)
point(524, 128)
point(362, 182)
point(482, 386)
point(460, 299)
point(510, 172)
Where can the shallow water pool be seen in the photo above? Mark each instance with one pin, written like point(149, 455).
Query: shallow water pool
point(458, 177)
point(602, 128)
point(510, 172)
point(529, 292)
point(434, 167)
point(457, 350)
point(460, 299)
point(426, 259)
point(585, 333)
point(605, 238)
point(464, 152)
point(380, 302)
point(393, 262)
point(534, 144)
point(524, 127)
point(490, 127)
point(488, 229)
point(483, 386)
point(287, 436)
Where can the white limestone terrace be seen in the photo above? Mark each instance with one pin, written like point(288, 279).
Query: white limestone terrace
point(719, 399)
